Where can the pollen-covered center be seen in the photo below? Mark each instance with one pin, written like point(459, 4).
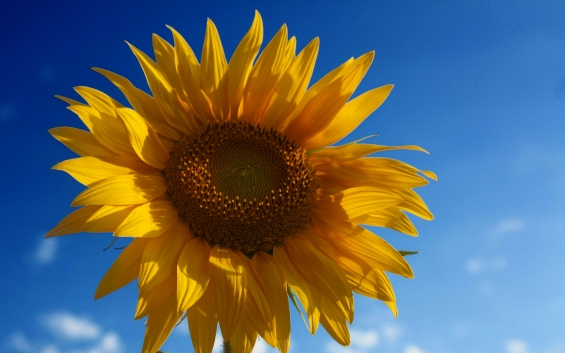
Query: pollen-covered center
point(241, 186)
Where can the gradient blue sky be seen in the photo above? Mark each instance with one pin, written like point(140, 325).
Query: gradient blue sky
point(479, 84)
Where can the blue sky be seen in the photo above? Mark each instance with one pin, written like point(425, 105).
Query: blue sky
point(481, 85)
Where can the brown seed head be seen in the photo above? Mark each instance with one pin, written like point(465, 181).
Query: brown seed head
point(241, 186)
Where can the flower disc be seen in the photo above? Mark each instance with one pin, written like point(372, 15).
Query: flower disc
point(241, 186)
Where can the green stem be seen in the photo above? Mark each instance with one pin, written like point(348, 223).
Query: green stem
point(227, 347)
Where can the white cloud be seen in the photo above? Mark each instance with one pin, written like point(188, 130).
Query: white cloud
point(361, 342)
point(70, 326)
point(334, 347)
point(475, 266)
point(46, 251)
point(18, 342)
point(70, 332)
point(391, 332)
point(478, 265)
point(508, 226)
point(412, 348)
point(108, 343)
point(50, 348)
point(364, 339)
point(516, 346)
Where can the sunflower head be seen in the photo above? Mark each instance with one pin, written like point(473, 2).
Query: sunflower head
point(227, 178)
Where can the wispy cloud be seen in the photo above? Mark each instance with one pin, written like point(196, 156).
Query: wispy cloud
point(108, 343)
point(479, 265)
point(50, 348)
point(18, 342)
point(70, 333)
point(361, 342)
point(69, 326)
point(508, 226)
point(391, 333)
point(412, 348)
point(46, 251)
point(364, 339)
point(516, 346)
point(504, 228)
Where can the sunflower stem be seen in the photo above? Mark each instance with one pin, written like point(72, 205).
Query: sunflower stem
point(227, 347)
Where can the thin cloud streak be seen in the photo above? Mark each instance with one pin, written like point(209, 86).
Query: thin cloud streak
point(71, 327)
point(46, 251)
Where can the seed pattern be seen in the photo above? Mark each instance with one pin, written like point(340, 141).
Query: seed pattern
point(241, 185)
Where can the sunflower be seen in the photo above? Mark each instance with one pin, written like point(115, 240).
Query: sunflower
point(229, 183)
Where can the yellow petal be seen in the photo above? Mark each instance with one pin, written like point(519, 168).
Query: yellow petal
point(308, 294)
point(321, 109)
point(109, 131)
point(99, 100)
point(203, 321)
point(364, 279)
point(333, 321)
point(69, 100)
point(74, 222)
point(193, 272)
point(88, 170)
point(379, 172)
point(124, 270)
point(213, 72)
point(189, 69)
point(274, 283)
point(355, 202)
point(244, 337)
point(230, 281)
point(350, 116)
point(161, 256)
point(337, 74)
point(241, 62)
point(107, 218)
point(352, 151)
point(143, 103)
point(149, 220)
point(165, 58)
point(144, 139)
point(414, 204)
point(160, 323)
point(164, 93)
point(257, 302)
point(152, 299)
point(80, 142)
point(372, 249)
point(265, 75)
point(391, 218)
point(322, 271)
point(292, 87)
point(429, 174)
point(392, 307)
point(127, 189)
point(265, 328)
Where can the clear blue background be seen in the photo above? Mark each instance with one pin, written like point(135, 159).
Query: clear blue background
point(479, 84)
